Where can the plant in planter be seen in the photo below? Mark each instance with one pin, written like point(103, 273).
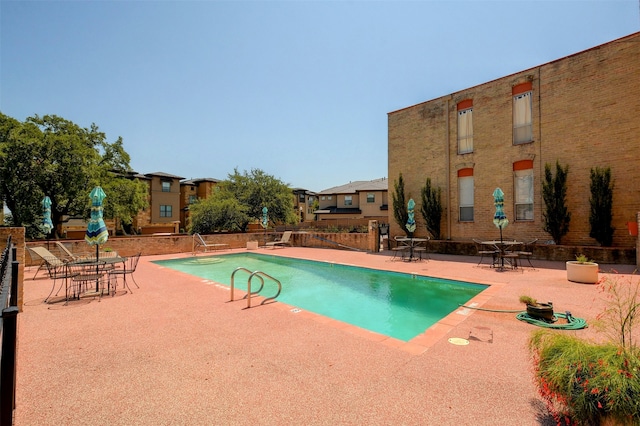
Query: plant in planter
point(587, 383)
point(542, 311)
point(582, 270)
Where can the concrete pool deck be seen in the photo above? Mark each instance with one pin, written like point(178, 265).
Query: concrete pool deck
point(176, 352)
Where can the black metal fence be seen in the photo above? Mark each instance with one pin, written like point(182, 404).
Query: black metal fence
point(8, 332)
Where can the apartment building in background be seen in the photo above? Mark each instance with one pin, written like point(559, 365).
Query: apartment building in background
point(303, 202)
point(355, 200)
point(192, 190)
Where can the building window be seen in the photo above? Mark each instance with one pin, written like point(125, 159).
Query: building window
point(371, 197)
point(348, 200)
point(465, 193)
point(322, 198)
point(166, 211)
point(465, 127)
point(522, 114)
point(523, 185)
point(193, 199)
point(301, 198)
point(166, 186)
point(329, 197)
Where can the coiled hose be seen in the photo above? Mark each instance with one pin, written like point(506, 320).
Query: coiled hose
point(572, 323)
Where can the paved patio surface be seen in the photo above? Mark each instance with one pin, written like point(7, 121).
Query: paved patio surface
point(176, 352)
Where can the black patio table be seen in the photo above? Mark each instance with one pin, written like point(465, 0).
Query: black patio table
point(502, 246)
point(412, 244)
point(93, 269)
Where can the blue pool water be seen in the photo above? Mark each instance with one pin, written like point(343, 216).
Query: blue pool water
point(394, 304)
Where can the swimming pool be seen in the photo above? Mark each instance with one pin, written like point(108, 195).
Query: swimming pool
point(390, 303)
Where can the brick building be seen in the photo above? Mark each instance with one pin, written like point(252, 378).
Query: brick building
point(192, 190)
point(303, 201)
point(582, 111)
point(163, 213)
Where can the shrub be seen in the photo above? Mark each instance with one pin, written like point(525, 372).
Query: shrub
point(432, 208)
point(601, 202)
point(556, 216)
point(400, 212)
point(583, 382)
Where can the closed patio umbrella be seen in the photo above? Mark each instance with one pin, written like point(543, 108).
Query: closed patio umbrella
point(411, 222)
point(47, 224)
point(97, 232)
point(265, 222)
point(499, 218)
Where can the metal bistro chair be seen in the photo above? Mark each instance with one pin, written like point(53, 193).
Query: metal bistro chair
point(88, 278)
point(58, 270)
point(130, 265)
point(401, 247)
point(510, 254)
point(483, 251)
point(527, 252)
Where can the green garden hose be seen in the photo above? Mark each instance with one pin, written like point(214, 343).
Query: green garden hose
point(572, 323)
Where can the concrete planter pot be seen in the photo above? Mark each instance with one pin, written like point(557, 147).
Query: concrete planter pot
point(586, 272)
point(542, 311)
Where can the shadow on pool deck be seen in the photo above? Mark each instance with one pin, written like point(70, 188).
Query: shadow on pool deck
point(177, 352)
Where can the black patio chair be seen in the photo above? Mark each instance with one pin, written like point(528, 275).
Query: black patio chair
point(130, 265)
point(527, 252)
point(484, 250)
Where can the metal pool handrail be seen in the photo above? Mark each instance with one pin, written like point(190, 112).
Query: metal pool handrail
point(260, 275)
point(233, 279)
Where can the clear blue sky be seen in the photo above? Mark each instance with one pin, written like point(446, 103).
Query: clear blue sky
point(299, 89)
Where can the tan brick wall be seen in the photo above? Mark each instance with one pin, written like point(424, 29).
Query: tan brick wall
point(585, 114)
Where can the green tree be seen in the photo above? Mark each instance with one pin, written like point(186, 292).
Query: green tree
point(556, 216)
point(249, 193)
point(400, 212)
point(52, 156)
point(219, 212)
point(601, 202)
point(432, 208)
point(125, 198)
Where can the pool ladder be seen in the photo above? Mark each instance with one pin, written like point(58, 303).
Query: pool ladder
point(261, 276)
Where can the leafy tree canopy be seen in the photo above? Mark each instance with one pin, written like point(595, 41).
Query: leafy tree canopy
point(239, 200)
point(54, 157)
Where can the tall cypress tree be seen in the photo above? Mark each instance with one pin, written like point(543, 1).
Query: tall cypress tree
point(400, 212)
point(556, 216)
point(432, 208)
point(601, 202)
